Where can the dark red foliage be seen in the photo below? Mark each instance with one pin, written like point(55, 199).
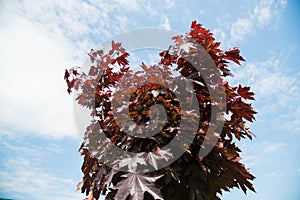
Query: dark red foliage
point(189, 177)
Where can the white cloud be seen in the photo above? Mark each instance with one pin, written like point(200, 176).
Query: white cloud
point(32, 90)
point(129, 4)
point(240, 29)
point(263, 14)
point(26, 174)
point(166, 23)
point(260, 154)
point(39, 39)
point(170, 4)
point(276, 91)
point(21, 178)
point(123, 22)
point(262, 75)
point(283, 2)
point(284, 173)
point(270, 148)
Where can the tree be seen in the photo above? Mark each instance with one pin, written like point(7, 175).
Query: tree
point(188, 177)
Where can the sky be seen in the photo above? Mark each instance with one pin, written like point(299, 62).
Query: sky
point(40, 39)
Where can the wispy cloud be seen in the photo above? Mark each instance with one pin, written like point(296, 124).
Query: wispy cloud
point(259, 154)
point(129, 4)
point(276, 88)
point(265, 12)
point(21, 179)
point(38, 41)
point(25, 173)
point(284, 173)
point(32, 90)
point(166, 23)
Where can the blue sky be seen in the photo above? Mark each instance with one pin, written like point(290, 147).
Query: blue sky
point(39, 39)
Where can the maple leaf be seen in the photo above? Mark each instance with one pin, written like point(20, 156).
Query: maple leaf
point(91, 55)
point(241, 109)
point(131, 163)
point(144, 66)
point(186, 47)
point(108, 179)
point(121, 60)
point(115, 45)
point(234, 55)
point(245, 93)
point(135, 185)
point(79, 185)
point(67, 74)
point(75, 72)
point(194, 23)
point(93, 71)
point(153, 157)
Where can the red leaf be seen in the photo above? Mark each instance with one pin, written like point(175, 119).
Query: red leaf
point(79, 185)
point(67, 74)
point(234, 55)
point(194, 24)
point(144, 66)
point(241, 109)
point(136, 185)
point(244, 92)
point(93, 71)
point(75, 72)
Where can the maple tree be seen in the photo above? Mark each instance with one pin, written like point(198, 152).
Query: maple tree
point(188, 177)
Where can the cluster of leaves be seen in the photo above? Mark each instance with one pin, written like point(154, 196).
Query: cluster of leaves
point(190, 176)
